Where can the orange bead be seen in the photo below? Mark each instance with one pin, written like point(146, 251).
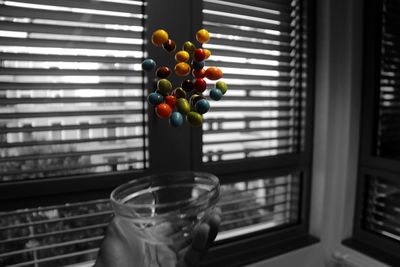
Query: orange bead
point(182, 56)
point(199, 73)
point(207, 52)
point(213, 73)
point(182, 69)
point(159, 37)
point(163, 111)
point(203, 36)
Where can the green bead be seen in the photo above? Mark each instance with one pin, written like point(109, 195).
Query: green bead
point(189, 47)
point(222, 86)
point(182, 105)
point(164, 86)
point(195, 119)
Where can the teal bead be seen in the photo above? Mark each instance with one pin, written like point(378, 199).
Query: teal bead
point(197, 65)
point(148, 64)
point(216, 94)
point(202, 106)
point(155, 99)
point(176, 119)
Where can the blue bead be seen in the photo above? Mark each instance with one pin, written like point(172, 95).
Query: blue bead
point(148, 64)
point(176, 119)
point(202, 106)
point(197, 65)
point(155, 99)
point(216, 94)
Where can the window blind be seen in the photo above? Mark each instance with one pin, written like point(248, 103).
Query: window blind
point(382, 207)
point(72, 99)
point(71, 233)
point(257, 46)
point(388, 136)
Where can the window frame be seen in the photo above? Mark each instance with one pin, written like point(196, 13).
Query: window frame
point(255, 246)
point(362, 240)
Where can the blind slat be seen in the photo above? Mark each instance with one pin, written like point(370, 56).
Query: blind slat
point(66, 43)
point(22, 12)
point(80, 168)
point(231, 51)
point(236, 19)
point(247, 10)
point(51, 100)
point(89, 5)
point(230, 29)
point(70, 154)
point(249, 43)
point(67, 30)
point(282, 137)
point(80, 113)
point(69, 127)
point(282, 6)
point(71, 141)
point(66, 58)
point(69, 86)
point(282, 67)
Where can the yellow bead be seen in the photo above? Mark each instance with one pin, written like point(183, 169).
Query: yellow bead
point(182, 69)
point(207, 52)
point(202, 36)
point(159, 37)
point(182, 56)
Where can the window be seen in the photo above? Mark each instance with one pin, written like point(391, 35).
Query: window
point(60, 63)
point(81, 60)
point(376, 225)
point(258, 133)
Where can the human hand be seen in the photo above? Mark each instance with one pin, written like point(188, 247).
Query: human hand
point(121, 248)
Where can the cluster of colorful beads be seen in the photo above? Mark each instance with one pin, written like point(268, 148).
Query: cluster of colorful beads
point(186, 100)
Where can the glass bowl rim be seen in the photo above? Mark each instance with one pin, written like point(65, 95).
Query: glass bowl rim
point(213, 178)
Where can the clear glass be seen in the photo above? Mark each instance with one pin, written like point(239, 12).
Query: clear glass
point(163, 209)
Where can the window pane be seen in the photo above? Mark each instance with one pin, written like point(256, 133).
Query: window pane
point(72, 88)
point(257, 47)
point(388, 141)
point(53, 236)
point(258, 204)
point(382, 207)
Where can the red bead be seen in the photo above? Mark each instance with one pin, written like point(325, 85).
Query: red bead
point(199, 74)
point(163, 111)
point(200, 85)
point(171, 101)
point(199, 55)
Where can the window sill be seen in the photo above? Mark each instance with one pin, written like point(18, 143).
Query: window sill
point(242, 252)
point(372, 251)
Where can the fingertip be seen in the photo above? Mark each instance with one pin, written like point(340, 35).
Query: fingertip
point(217, 211)
point(200, 237)
point(215, 221)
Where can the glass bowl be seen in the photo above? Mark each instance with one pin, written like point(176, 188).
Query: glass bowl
point(163, 209)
